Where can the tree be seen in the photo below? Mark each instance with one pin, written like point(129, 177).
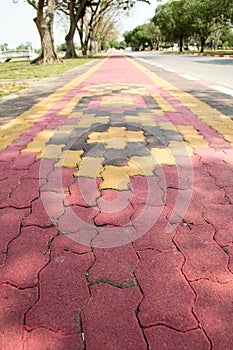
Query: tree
point(97, 24)
point(139, 37)
point(44, 20)
point(75, 10)
point(4, 47)
point(208, 16)
point(173, 20)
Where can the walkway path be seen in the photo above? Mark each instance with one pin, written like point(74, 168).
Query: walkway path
point(116, 217)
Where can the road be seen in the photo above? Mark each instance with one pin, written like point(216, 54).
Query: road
point(216, 70)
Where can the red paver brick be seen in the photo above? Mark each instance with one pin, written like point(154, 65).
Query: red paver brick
point(53, 205)
point(205, 190)
point(112, 201)
point(23, 194)
point(194, 214)
point(203, 257)
point(213, 308)
point(168, 297)
point(10, 220)
point(230, 252)
point(33, 130)
point(183, 207)
point(59, 180)
point(11, 180)
point(9, 154)
point(168, 176)
point(63, 292)
point(119, 217)
point(40, 169)
point(38, 215)
point(147, 217)
point(24, 160)
point(223, 174)
point(111, 236)
point(22, 141)
point(41, 339)
point(68, 242)
point(83, 192)
point(27, 255)
point(146, 190)
point(114, 264)
point(4, 170)
point(14, 304)
point(77, 218)
point(111, 314)
point(221, 217)
point(155, 236)
point(166, 338)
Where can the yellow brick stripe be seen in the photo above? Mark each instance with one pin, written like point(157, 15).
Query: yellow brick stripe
point(13, 129)
point(211, 117)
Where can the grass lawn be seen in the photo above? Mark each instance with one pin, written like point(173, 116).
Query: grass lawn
point(21, 70)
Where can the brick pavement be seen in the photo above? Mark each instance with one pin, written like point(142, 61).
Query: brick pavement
point(116, 217)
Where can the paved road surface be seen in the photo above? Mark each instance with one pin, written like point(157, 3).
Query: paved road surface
point(116, 213)
point(213, 70)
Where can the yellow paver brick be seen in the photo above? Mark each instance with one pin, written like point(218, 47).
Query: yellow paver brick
point(132, 119)
point(39, 142)
point(101, 119)
point(84, 123)
point(116, 101)
point(141, 166)
point(116, 144)
point(196, 141)
point(115, 177)
point(69, 107)
point(207, 114)
point(90, 167)
point(163, 156)
point(38, 110)
point(165, 125)
point(116, 132)
point(69, 159)
point(95, 137)
point(51, 151)
point(163, 103)
point(135, 136)
point(192, 136)
point(180, 148)
point(143, 118)
point(66, 129)
point(77, 115)
point(34, 147)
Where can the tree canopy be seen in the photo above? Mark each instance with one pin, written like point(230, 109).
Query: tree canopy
point(181, 19)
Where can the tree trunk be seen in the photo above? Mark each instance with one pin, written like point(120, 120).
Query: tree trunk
point(45, 24)
point(70, 47)
point(203, 40)
point(75, 15)
point(181, 44)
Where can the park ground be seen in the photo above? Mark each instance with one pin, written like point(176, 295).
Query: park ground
point(116, 212)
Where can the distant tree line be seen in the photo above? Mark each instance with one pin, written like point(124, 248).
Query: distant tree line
point(186, 21)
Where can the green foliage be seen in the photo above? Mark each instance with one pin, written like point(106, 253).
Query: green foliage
point(4, 47)
point(139, 37)
point(173, 19)
point(61, 47)
point(183, 19)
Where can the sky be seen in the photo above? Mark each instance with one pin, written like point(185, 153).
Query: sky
point(17, 26)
